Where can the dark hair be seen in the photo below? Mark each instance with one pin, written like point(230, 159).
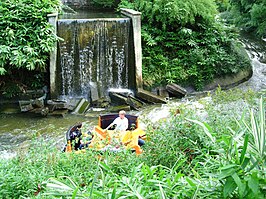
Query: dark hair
point(78, 125)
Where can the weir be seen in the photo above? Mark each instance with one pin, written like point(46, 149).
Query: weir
point(97, 52)
point(94, 52)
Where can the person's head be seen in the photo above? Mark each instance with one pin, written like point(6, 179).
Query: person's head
point(79, 125)
point(122, 114)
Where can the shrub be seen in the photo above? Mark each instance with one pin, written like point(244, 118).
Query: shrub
point(26, 36)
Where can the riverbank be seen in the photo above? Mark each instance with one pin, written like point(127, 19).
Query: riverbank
point(181, 158)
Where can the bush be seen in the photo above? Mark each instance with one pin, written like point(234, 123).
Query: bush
point(26, 36)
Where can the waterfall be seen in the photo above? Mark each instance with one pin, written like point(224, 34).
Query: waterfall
point(92, 52)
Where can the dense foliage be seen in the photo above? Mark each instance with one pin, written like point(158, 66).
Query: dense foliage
point(222, 5)
point(184, 158)
point(26, 36)
point(249, 15)
point(184, 42)
point(26, 39)
point(105, 3)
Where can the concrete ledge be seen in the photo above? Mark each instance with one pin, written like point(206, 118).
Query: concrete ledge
point(229, 81)
point(52, 19)
point(128, 12)
point(136, 24)
point(52, 15)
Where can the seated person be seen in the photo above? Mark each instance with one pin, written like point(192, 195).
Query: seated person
point(141, 142)
point(76, 138)
point(75, 135)
point(121, 122)
point(85, 140)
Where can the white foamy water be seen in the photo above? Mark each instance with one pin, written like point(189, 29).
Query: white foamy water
point(256, 51)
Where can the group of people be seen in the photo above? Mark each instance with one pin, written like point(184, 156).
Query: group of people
point(75, 136)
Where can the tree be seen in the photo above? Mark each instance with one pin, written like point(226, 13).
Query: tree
point(249, 15)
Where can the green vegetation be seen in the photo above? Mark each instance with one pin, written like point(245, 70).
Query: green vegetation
point(185, 42)
point(25, 43)
point(26, 36)
point(222, 5)
point(249, 15)
point(105, 3)
point(218, 152)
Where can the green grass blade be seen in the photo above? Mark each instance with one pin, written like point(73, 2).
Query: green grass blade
point(75, 193)
point(206, 128)
point(244, 150)
point(262, 127)
point(162, 193)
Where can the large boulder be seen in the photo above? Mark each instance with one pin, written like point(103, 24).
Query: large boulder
point(149, 97)
point(176, 90)
point(82, 106)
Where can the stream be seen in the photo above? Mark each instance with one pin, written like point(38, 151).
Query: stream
point(256, 49)
point(18, 129)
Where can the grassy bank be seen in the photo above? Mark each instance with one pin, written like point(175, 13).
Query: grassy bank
point(209, 151)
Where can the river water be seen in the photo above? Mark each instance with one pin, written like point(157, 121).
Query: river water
point(17, 129)
point(256, 49)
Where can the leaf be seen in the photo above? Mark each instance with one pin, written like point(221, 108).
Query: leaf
point(245, 163)
point(104, 166)
point(229, 187)
point(229, 166)
point(227, 172)
point(241, 186)
point(244, 150)
point(2, 71)
point(253, 183)
point(113, 193)
point(162, 193)
point(206, 128)
point(190, 182)
point(75, 193)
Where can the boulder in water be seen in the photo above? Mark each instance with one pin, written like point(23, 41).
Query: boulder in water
point(82, 106)
point(25, 106)
point(161, 91)
point(103, 102)
point(126, 99)
point(94, 95)
point(116, 109)
point(148, 96)
point(176, 90)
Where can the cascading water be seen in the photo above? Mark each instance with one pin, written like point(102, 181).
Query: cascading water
point(256, 50)
point(93, 52)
